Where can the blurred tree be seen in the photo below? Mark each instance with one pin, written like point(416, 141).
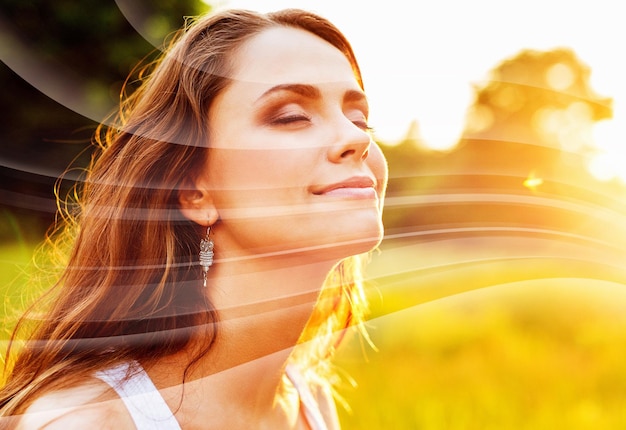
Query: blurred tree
point(536, 99)
point(63, 67)
point(527, 135)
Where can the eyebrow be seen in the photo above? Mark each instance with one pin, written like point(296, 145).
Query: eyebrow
point(354, 96)
point(308, 91)
point(312, 92)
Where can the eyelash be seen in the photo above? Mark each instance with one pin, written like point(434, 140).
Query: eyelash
point(290, 119)
point(363, 125)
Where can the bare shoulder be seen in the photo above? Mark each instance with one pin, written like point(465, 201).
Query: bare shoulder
point(90, 405)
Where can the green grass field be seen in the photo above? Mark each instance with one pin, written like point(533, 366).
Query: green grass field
point(544, 352)
point(527, 335)
point(534, 355)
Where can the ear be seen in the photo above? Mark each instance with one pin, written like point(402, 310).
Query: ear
point(197, 205)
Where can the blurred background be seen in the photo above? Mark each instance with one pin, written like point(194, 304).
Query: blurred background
point(498, 295)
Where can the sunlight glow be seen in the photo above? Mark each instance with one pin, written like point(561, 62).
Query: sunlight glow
point(532, 182)
point(610, 139)
point(560, 77)
point(570, 127)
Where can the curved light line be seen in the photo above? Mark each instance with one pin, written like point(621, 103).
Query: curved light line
point(52, 79)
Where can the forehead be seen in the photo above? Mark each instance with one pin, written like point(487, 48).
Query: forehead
point(283, 54)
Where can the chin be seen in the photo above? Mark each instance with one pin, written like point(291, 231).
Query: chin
point(329, 237)
point(357, 242)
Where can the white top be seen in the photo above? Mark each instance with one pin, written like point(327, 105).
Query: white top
point(142, 399)
point(312, 411)
point(150, 412)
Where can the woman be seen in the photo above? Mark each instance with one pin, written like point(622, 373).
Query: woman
point(212, 266)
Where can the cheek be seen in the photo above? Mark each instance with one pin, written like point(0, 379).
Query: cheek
point(378, 164)
point(254, 177)
point(241, 168)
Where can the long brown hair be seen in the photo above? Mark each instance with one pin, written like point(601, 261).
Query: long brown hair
point(131, 289)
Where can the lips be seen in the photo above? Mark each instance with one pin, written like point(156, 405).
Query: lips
point(354, 187)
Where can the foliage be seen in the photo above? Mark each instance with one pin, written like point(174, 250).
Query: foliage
point(542, 354)
point(70, 60)
point(525, 150)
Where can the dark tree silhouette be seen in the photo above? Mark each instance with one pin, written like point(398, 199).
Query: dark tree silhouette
point(63, 66)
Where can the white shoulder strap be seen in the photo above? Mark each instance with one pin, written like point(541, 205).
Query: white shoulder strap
point(142, 399)
point(307, 400)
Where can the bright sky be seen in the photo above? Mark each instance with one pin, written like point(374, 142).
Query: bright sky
point(420, 59)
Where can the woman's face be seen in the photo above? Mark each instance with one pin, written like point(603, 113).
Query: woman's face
point(291, 165)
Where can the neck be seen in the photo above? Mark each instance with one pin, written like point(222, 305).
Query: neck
point(249, 287)
point(262, 308)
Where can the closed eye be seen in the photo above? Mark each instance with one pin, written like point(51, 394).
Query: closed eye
point(290, 119)
point(362, 124)
point(359, 119)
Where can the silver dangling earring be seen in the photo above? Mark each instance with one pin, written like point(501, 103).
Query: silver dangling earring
point(206, 254)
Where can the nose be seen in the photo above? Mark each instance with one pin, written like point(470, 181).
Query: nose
point(351, 143)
